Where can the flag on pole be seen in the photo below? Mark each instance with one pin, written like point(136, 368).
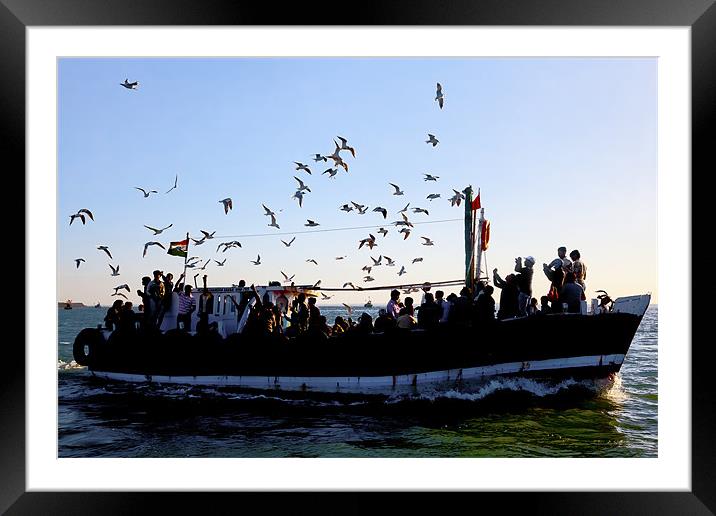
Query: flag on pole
point(178, 248)
point(476, 202)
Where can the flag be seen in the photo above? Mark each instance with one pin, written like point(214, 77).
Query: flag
point(476, 202)
point(178, 248)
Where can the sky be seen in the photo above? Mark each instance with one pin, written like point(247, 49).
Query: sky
point(563, 151)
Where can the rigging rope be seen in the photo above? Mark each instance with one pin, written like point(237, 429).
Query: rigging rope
point(446, 283)
point(327, 230)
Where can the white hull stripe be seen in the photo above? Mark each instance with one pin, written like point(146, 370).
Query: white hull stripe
point(371, 384)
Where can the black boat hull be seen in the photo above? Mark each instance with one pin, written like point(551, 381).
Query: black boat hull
point(552, 347)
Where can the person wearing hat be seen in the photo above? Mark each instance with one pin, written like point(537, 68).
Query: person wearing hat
point(524, 282)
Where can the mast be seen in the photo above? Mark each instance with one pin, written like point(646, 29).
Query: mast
point(469, 240)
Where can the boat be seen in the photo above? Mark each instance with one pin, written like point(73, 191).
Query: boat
point(97, 305)
point(68, 304)
point(368, 304)
point(590, 345)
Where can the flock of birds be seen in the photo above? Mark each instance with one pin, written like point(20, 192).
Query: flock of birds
point(337, 161)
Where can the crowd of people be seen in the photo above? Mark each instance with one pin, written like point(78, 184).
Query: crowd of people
point(302, 316)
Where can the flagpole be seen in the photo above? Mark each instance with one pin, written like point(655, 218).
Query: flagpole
point(186, 256)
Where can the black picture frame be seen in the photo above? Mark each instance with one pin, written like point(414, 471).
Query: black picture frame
point(699, 15)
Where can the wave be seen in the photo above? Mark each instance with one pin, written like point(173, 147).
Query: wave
point(64, 366)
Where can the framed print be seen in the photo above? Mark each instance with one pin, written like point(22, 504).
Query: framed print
point(182, 123)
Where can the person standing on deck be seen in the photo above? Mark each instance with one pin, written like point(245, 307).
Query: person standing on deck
point(579, 268)
point(145, 304)
point(393, 307)
point(186, 307)
point(524, 283)
point(508, 297)
point(444, 305)
point(572, 294)
point(167, 297)
point(154, 300)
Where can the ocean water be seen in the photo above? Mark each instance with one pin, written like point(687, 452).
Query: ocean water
point(507, 418)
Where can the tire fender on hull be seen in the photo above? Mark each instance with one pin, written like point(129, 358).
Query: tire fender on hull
point(89, 338)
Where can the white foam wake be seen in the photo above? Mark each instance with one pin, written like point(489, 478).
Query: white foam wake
point(64, 366)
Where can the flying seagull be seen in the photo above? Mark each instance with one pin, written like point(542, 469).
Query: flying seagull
point(258, 260)
point(432, 139)
point(200, 241)
point(350, 309)
point(129, 85)
point(77, 216)
point(120, 294)
point(376, 263)
point(299, 195)
point(368, 278)
point(105, 249)
point(331, 172)
point(455, 199)
point(301, 185)
point(401, 271)
point(228, 205)
point(406, 231)
point(433, 196)
point(311, 223)
point(391, 262)
point(345, 208)
point(318, 157)
point(157, 231)
point(220, 264)
point(115, 270)
point(78, 260)
point(301, 166)
point(286, 277)
point(381, 210)
point(151, 243)
point(339, 257)
point(312, 260)
point(348, 283)
point(273, 222)
point(120, 287)
point(337, 160)
point(370, 241)
point(176, 178)
point(398, 191)
point(420, 210)
point(145, 192)
point(427, 241)
point(415, 260)
point(344, 146)
point(439, 96)
point(85, 210)
point(367, 268)
point(207, 235)
point(268, 211)
point(288, 244)
point(325, 297)
point(316, 284)
point(430, 177)
point(404, 209)
point(383, 231)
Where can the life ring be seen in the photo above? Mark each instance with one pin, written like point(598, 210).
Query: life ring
point(89, 338)
point(485, 235)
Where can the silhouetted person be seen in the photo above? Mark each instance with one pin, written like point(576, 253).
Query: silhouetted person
point(429, 312)
point(485, 306)
point(111, 320)
point(508, 296)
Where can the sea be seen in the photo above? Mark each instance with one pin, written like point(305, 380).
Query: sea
point(507, 418)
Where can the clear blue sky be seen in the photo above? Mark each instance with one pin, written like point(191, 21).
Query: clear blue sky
point(563, 150)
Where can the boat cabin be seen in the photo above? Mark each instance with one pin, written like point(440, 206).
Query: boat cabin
point(223, 310)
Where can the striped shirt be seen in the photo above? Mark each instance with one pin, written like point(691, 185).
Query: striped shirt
point(186, 303)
